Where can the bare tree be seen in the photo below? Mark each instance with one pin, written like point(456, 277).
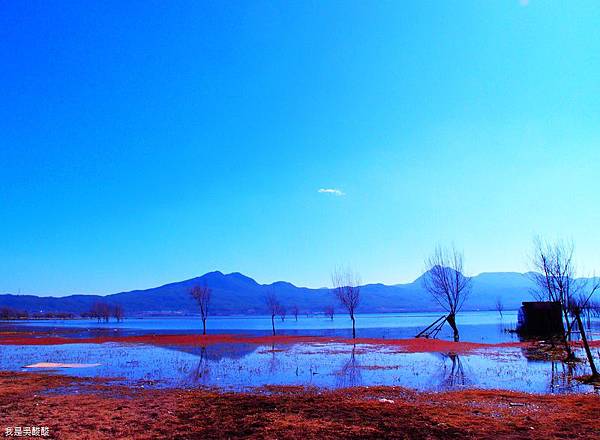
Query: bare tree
point(272, 307)
point(101, 311)
point(202, 296)
point(329, 312)
point(282, 312)
point(554, 276)
point(117, 312)
point(445, 281)
point(295, 312)
point(499, 306)
point(95, 311)
point(346, 287)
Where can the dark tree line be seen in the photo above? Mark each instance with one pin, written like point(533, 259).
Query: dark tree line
point(103, 312)
point(7, 313)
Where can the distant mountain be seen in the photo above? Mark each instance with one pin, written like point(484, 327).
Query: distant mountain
point(236, 293)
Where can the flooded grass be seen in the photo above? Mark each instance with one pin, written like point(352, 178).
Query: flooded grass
point(238, 367)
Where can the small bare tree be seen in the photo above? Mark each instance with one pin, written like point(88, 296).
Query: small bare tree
point(101, 311)
point(295, 312)
point(202, 296)
point(499, 306)
point(95, 311)
point(329, 312)
point(346, 287)
point(272, 307)
point(117, 312)
point(282, 312)
point(445, 281)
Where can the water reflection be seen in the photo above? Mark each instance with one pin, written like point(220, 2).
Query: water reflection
point(240, 366)
point(201, 372)
point(453, 375)
point(349, 375)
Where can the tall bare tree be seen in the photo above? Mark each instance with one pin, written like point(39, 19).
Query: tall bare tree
point(445, 281)
point(202, 296)
point(346, 287)
point(554, 277)
point(295, 312)
point(273, 307)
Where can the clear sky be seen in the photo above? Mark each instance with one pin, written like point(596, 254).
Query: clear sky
point(148, 142)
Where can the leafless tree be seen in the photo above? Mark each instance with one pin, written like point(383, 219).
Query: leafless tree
point(282, 312)
point(202, 295)
point(100, 311)
point(295, 312)
point(554, 277)
point(346, 287)
point(95, 311)
point(445, 281)
point(117, 312)
point(272, 307)
point(329, 312)
point(499, 306)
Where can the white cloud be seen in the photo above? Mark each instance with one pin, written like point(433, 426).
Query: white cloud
point(334, 191)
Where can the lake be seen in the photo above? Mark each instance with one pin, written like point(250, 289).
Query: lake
point(486, 326)
point(240, 366)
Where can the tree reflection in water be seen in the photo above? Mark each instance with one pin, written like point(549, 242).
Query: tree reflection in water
point(202, 370)
point(562, 376)
point(349, 375)
point(454, 375)
point(273, 361)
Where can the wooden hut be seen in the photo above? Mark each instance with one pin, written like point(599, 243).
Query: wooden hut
point(540, 318)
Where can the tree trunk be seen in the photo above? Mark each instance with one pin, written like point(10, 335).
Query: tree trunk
point(566, 335)
point(353, 327)
point(273, 323)
point(586, 346)
point(452, 321)
point(204, 326)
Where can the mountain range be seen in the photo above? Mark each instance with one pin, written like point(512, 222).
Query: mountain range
point(236, 293)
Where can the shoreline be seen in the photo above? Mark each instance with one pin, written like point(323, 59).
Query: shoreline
point(94, 410)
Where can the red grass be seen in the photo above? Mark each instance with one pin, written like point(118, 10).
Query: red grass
point(412, 345)
point(99, 411)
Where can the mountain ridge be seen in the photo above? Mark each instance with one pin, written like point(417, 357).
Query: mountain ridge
point(236, 293)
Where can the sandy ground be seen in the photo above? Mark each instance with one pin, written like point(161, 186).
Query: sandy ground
point(79, 409)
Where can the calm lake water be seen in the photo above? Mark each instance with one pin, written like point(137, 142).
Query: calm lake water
point(241, 366)
point(244, 366)
point(474, 326)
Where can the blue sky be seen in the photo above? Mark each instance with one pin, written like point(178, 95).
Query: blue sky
point(150, 142)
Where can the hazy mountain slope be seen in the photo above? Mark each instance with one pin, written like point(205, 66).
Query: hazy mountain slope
point(236, 293)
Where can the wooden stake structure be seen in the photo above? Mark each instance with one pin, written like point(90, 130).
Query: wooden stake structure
point(435, 327)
